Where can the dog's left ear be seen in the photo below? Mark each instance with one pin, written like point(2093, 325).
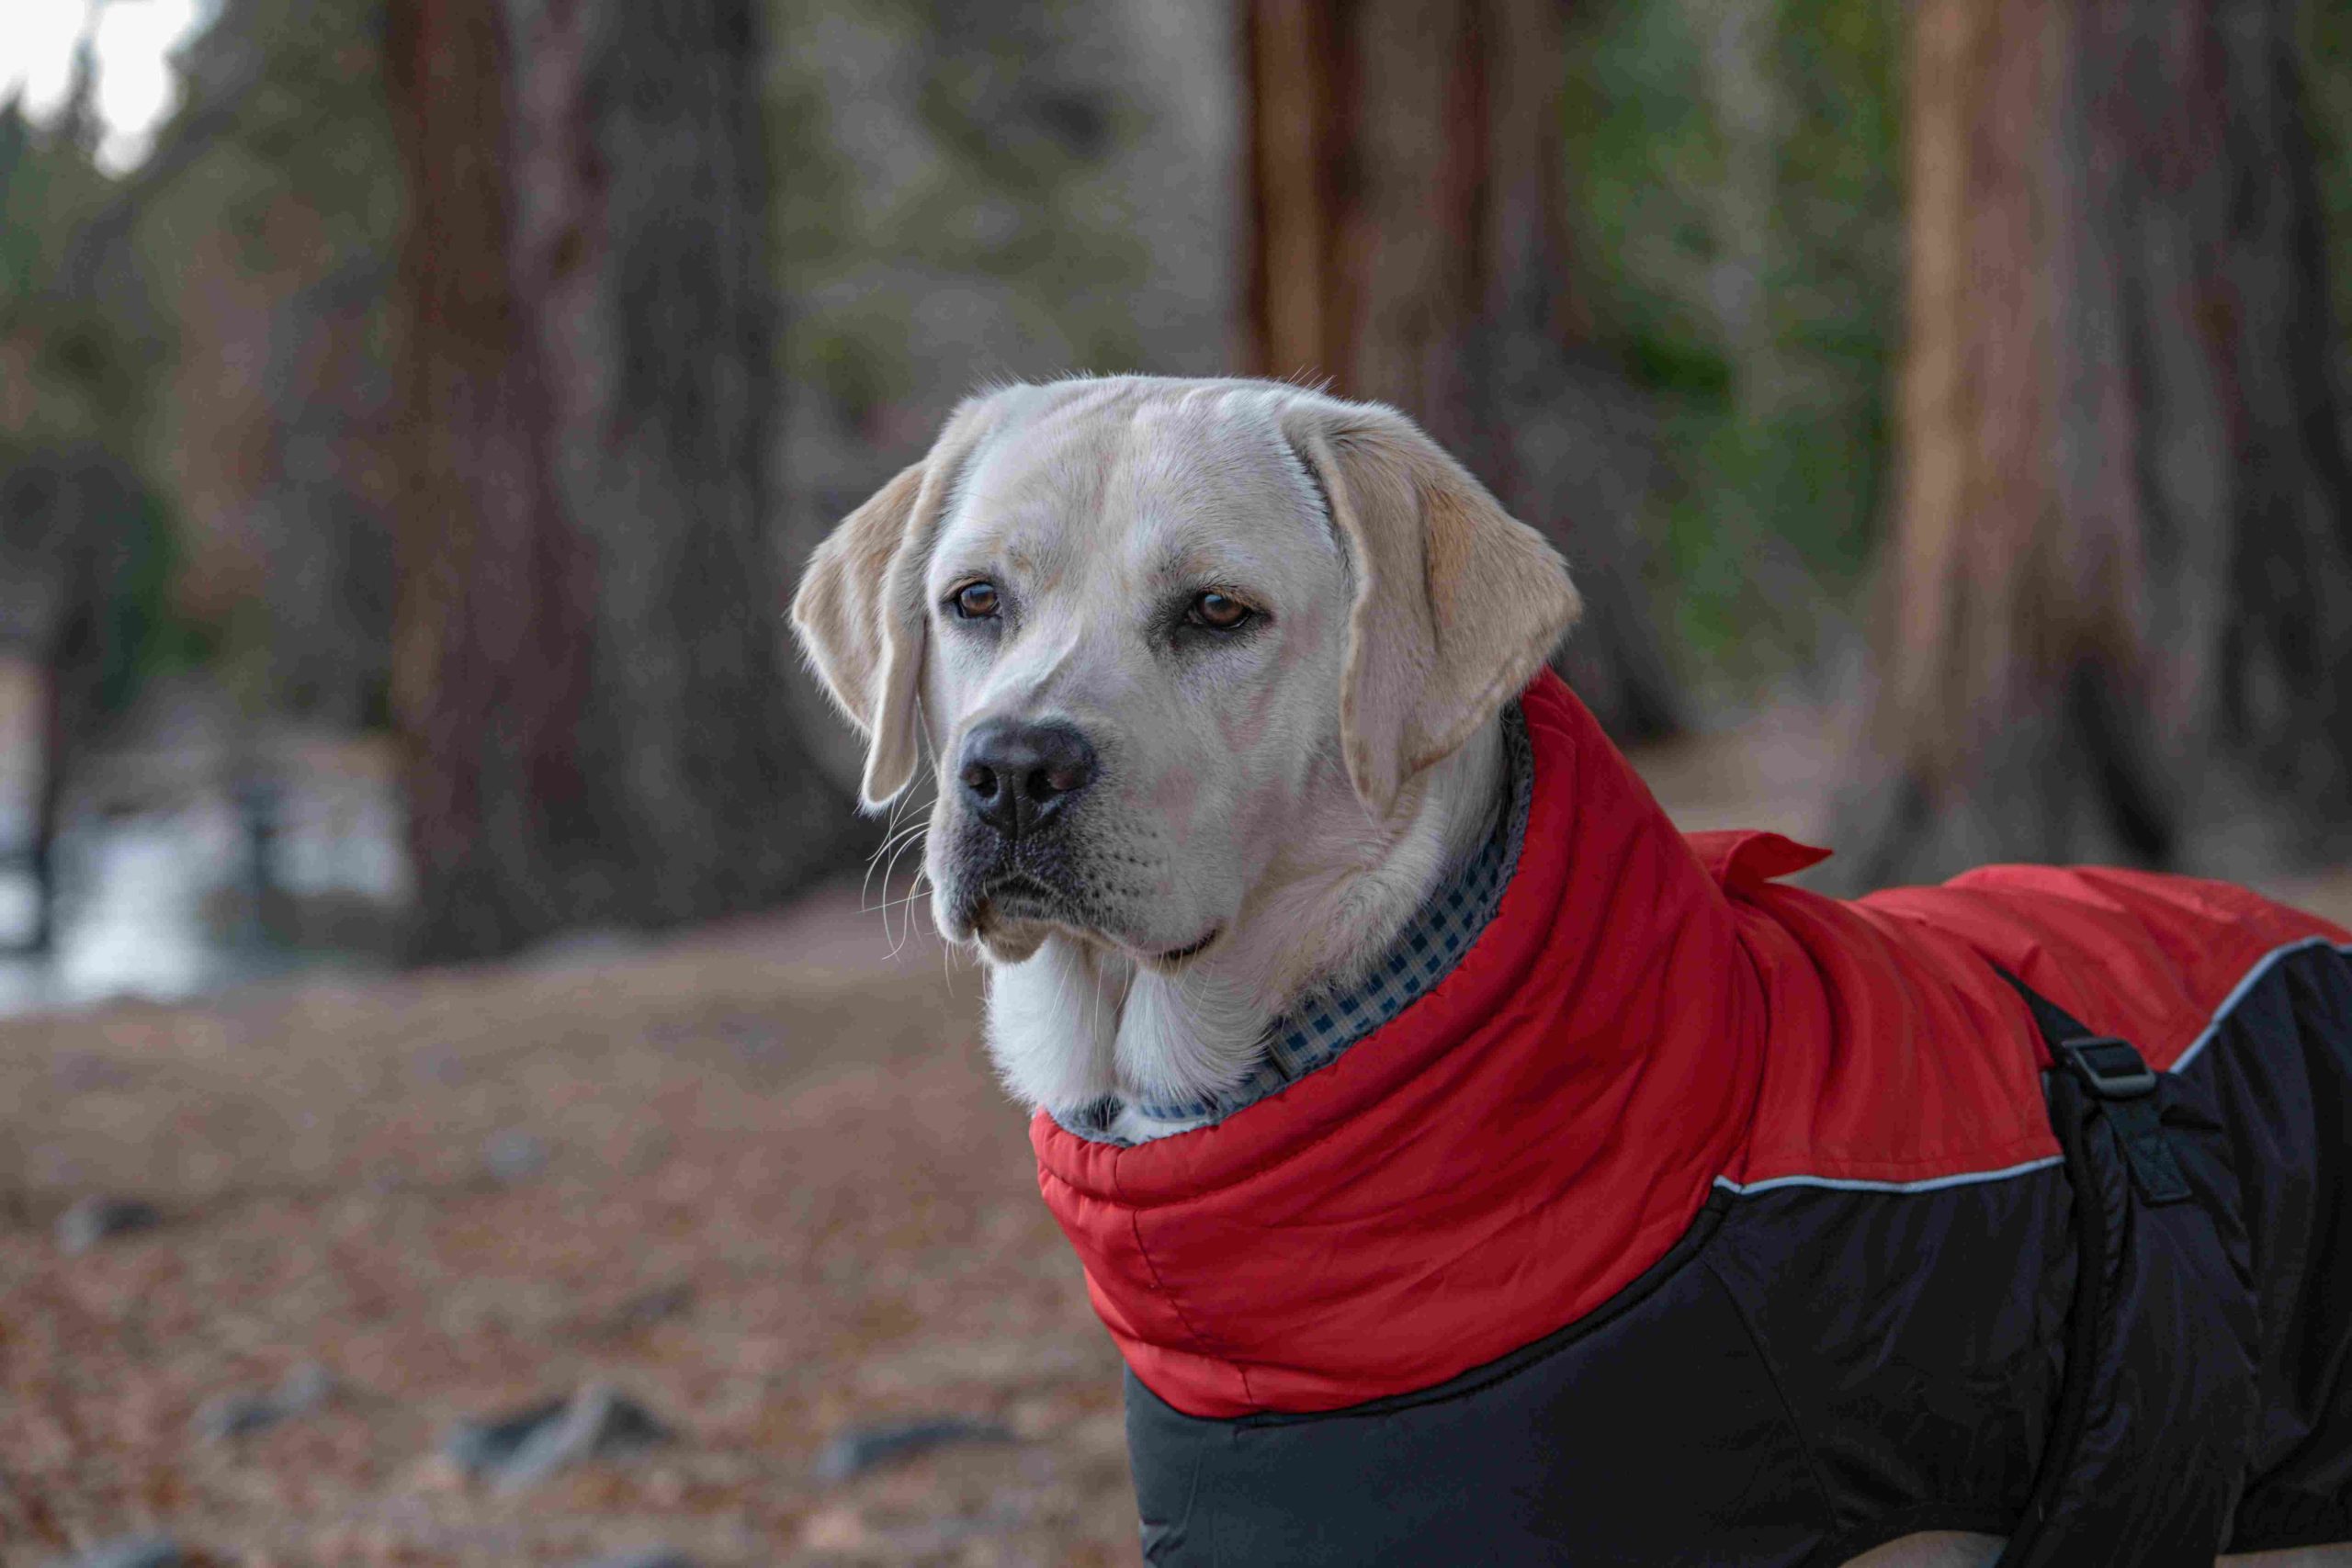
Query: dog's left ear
point(859, 609)
point(1457, 604)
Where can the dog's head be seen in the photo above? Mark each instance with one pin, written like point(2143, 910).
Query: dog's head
point(1154, 635)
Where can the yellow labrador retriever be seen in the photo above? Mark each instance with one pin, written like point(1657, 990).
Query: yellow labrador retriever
point(1207, 738)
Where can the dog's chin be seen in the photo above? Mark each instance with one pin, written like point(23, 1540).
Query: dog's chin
point(1009, 941)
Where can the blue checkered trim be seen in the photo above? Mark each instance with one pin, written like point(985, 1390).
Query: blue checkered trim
point(1320, 1030)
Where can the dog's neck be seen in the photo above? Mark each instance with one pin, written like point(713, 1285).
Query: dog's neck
point(1077, 1025)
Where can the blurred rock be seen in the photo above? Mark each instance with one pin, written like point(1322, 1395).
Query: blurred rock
point(515, 1155)
point(649, 1307)
point(97, 1217)
point(304, 1388)
point(526, 1448)
point(235, 1415)
point(302, 1391)
point(130, 1551)
point(857, 1450)
point(484, 1446)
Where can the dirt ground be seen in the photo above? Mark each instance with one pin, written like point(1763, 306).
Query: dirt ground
point(780, 1196)
point(757, 1178)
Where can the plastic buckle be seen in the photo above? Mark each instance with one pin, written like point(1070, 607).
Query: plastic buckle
point(2112, 1068)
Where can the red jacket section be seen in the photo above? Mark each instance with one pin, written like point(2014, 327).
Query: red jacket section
point(1646, 1014)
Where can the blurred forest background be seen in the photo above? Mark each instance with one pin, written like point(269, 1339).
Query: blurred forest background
point(402, 460)
point(405, 454)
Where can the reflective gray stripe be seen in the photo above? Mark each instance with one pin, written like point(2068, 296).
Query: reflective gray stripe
point(1931, 1184)
point(2237, 995)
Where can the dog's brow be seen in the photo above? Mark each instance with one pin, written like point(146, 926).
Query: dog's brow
point(1191, 562)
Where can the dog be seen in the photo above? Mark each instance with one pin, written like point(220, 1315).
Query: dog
point(1470, 1168)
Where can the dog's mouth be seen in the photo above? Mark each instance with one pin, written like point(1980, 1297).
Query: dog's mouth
point(1177, 957)
point(1009, 911)
point(1021, 897)
point(1010, 914)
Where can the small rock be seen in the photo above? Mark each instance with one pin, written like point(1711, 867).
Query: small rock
point(645, 1310)
point(301, 1392)
point(94, 1218)
point(515, 1155)
point(130, 1551)
point(235, 1415)
point(523, 1448)
point(305, 1387)
point(482, 1447)
point(860, 1448)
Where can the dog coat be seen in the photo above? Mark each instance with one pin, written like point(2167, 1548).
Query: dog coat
point(1692, 1218)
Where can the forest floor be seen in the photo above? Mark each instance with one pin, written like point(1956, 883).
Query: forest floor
point(757, 1178)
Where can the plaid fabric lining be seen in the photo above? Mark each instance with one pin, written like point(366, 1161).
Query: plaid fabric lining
point(1432, 941)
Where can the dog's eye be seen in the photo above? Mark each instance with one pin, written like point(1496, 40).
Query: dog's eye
point(976, 601)
point(1217, 612)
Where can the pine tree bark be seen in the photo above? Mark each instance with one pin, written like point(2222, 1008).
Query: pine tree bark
point(2118, 593)
point(1405, 241)
point(586, 660)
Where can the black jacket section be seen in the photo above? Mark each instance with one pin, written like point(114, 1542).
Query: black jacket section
point(1818, 1370)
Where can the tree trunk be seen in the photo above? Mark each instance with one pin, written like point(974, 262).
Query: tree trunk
point(75, 527)
point(1406, 243)
point(586, 660)
point(2118, 592)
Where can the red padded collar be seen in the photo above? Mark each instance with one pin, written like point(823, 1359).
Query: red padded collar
point(1510, 1150)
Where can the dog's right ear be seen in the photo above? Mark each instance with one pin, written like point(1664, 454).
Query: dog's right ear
point(1457, 604)
point(859, 611)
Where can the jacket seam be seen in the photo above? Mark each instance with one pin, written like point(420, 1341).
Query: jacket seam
point(1208, 1346)
point(1779, 1393)
point(1477, 1380)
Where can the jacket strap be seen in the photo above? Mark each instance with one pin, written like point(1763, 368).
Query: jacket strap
point(2096, 1078)
point(2121, 1085)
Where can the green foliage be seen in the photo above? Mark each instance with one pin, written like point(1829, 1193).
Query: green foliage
point(142, 637)
point(281, 161)
point(78, 331)
point(1733, 175)
point(926, 154)
point(285, 111)
point(81, 336)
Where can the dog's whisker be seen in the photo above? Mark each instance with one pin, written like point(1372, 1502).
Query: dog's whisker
point(888, 842)
point(907, 925)
point(888, 871)
point(894, 840)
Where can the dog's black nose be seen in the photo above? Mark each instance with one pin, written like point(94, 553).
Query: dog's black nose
point(1019, 777)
